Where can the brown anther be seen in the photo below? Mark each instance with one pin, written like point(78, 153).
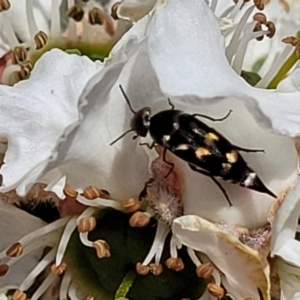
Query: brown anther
point(15, 250)
point(91, 192)
point(139, 219)
point(260, 18)
point(215, 290)
point(141, 269)
point(256, 29)
point(291, 40)
point(69, 191)
point(175, 264)
point(114, 10)
point(156, 269)
point(86, 224)
point(76, 12)
point(259, 4)
point(3, 269)
point(18, 295)
point(102, 248)
point(131, 204)
point(40, 40)
point(205, 271)
point(19, 54)
point(4, 5)
point(89, 297)
point(58, 270)
point(25, 70)
point(271, 28)
point(104, 193)
point(96, 16)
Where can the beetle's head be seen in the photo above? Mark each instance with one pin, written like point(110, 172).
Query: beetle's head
point(140, 122)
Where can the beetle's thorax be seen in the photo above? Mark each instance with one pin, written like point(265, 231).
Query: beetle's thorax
point(164, 124)
point(140, 122)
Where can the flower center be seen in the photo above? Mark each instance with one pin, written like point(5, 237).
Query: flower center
point(90, 31)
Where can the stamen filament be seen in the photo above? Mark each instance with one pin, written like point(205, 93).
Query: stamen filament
point(32, 27)
point(64, 286)
point(100, 202)
point(43, 287)
point(64, 240)
point(193, 257)
point(158, 244)
point(173, 247)
point(37, 270)
point(55, 20)
point(276, 64)
point(285, 68)
point(231, 48)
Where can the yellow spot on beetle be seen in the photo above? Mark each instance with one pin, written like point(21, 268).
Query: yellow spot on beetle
point(200, 152)
point(210, 138)
point(232, 156)
point(225, 168)
point(182, 147)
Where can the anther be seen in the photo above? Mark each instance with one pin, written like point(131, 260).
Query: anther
point(258, 28)
point(40, 40)
point(205, 271)
point(260, 18)
point(25, 70)
point(141, 269)
point(259, 4)
point(91, 192)
point(15, 250)
point(4, 5)
point(139, 219)
point(69, 191)
point(86, 224)
point(89, 297)
point(291, 40)
point(271, 28)
point(76, 12)
point(156, 269)
point(19, 55)
point(114, 10)
point(175, 264)
point(102, 248)
point(3, 269)
point(215, 290)
point(19, 295)
point(58, 270)
point(96, 16)
point(131, 204)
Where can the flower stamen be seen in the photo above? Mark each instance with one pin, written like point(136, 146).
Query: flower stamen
point(58, 269)
point(15, 250)
point(215, 290)
point(156, 269)
point(40, 40)
point(142, 269)
point(102, 248)
point(131, 205)
point(139, 219)
point(175, 264)
point(76, 12)
point(19, 295)
point(4, 5)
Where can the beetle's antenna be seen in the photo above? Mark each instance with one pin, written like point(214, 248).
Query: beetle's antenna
point(126, 98)
point(121, 136)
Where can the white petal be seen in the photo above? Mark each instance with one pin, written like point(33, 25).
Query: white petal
point(135, 9)
point(198, 66)
point(286, 220)
point(35, 112)
point(14, 224)
point(245, 271)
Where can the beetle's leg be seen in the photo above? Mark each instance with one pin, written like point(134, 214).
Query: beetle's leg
point(213, 119)
point(214, 180)
point(167, 162)
point(146, 144)
point(171, 104)
point(248, 150)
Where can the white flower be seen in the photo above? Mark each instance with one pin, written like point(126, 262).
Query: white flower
point(286, 246)
point(177, 52)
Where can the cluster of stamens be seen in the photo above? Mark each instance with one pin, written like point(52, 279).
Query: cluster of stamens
point(23, 54)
